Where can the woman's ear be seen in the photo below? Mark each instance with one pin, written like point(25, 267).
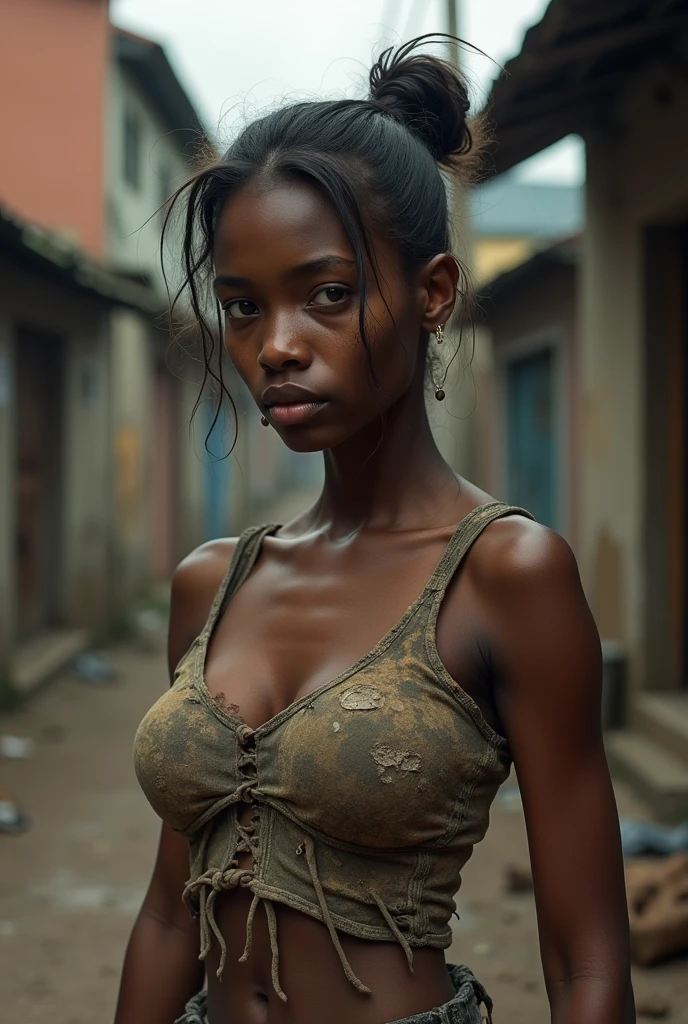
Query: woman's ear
point(439, 279)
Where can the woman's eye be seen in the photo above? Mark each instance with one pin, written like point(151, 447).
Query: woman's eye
point(240, 309)
point(330, 295)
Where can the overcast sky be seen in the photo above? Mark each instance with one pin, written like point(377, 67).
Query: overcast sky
point(237, 56)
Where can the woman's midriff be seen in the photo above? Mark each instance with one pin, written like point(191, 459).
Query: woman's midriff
point(311, 974)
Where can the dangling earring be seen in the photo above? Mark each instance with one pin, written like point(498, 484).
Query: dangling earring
point(439, 387)
point(265, 421)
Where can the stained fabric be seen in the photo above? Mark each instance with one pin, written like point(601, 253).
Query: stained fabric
point(368, 794)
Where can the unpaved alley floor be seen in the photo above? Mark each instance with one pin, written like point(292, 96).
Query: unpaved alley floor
point(70, 887)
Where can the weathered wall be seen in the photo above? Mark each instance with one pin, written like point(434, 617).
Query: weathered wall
point(51, 160)
point(494, 256)
point(7, 462)
point(81, 325)
point(133, 226)
point(86, 475)
point(131, 376)
point(637, 176)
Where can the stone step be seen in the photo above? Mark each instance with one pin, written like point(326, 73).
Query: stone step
point(658, 777)
point(663, 718)
point(43, 656)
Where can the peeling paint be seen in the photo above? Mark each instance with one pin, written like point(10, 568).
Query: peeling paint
point(400, 760)
point(362, 698)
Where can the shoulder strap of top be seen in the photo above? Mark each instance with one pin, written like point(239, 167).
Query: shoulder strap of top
point(466, 534)
point(244, 558)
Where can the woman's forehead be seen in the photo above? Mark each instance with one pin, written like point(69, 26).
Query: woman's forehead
point(288, 216)
point(266, 230)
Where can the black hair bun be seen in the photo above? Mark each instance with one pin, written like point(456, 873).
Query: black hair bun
point(426, 94)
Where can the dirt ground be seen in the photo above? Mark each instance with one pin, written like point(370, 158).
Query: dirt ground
point(70, 887)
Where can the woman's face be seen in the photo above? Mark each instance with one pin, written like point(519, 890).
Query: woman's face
point(286, 280)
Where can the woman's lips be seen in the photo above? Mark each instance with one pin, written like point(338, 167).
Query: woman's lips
point(290, 413)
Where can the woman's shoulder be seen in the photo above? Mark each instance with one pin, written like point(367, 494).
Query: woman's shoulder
point(525, 580)
point(195, 583)
point(517, 555)
point(199, 575)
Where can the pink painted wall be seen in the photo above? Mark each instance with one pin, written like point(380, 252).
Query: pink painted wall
point(53, 65)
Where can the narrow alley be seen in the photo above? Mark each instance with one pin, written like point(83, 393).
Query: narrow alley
point(71, 886)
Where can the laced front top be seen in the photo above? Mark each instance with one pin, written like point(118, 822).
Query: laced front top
point(367, 795)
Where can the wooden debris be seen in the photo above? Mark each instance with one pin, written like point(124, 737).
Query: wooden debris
point(658, 908)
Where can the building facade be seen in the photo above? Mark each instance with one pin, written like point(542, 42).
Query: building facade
point(616, 76)
point(56, 484)
point(106, 480)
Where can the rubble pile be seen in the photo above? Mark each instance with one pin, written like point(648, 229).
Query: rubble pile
point(658, 907)
point(656, 865)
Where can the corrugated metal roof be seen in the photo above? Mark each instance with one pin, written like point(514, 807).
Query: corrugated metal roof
point(44, 252)
point(573, 64)
point(506, 208)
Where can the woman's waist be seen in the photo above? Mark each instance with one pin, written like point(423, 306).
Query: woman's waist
point(310, 972)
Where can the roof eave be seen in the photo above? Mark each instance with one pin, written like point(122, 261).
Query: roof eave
point(147, 63)
point(564, 254)
point(572, 66)
point(42, 252)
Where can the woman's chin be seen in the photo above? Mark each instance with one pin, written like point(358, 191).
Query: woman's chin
point(305, 442)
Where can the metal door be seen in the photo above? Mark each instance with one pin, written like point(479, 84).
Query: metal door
point(531, 441)
point(38, 473)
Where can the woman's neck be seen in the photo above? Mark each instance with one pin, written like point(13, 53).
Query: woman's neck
point(389, 476)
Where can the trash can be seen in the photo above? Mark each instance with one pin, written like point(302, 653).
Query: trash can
point(614, 680)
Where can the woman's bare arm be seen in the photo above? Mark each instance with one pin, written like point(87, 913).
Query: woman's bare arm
point(161, 968)
point(548, 672)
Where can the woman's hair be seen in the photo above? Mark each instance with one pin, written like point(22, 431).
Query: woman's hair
point(377, 160)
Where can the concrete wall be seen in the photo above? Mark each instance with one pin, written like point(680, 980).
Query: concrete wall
point(86, 470)
point(133, 226)
point(51, 161)
point(132, 381)
point(494, 256)
point(7, 505)
point(81, 325)
point(637, 176)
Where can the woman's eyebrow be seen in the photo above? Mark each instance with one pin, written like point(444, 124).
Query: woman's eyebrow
point(328, 262)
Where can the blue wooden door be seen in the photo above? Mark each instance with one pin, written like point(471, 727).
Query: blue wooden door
point(531, 436)
point(217, 470)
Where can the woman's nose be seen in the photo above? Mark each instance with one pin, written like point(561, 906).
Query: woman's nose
point(284, 348)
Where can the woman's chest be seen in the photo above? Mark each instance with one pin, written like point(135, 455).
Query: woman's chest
point(285, 634)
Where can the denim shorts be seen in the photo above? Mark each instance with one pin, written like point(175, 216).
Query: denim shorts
point(464, 1008)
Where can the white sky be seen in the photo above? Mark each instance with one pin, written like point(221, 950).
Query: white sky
point(236, 56)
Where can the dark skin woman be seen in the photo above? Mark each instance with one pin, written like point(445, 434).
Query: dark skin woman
point(333, 282)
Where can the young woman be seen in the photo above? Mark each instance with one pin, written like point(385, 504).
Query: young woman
point(349, 690)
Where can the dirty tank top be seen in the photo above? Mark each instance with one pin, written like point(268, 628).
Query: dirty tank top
point(368, 794)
